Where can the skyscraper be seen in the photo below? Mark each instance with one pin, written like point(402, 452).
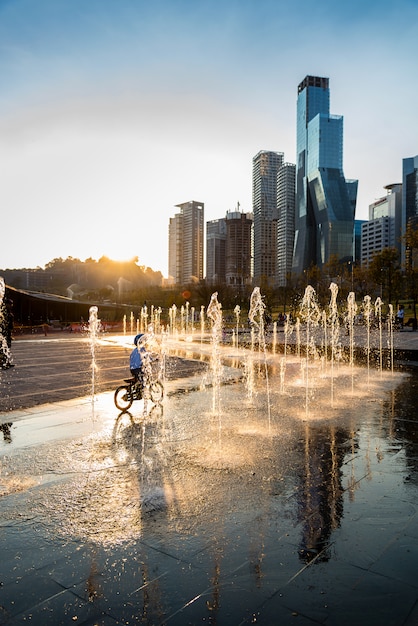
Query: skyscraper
point(265, 167)
point(325, 200)
point(383, 228)
point(409, 200)
point(215, 251)
point(285, 222)
point(238, 248)
point(185, 243)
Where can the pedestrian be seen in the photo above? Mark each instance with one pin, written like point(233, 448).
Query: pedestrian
point(400, 315)
point(6, 330)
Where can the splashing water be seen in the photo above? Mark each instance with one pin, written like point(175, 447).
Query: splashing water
point(192, 314)
point(391, 319)
point(351, 314)
point(367, 310)
point(214, 313)
point(256, 319)
point(94, 329)
point(4, 348)
point(378, 312)
point(335, 333)
point(182, 318)
point(237, 312)
point(202, 322)
point(173, 315)
point(186, 318)
point(274, 337)
point(144, 318)
point(311, 314)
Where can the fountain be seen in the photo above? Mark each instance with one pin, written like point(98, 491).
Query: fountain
point(214, 313)
point(237, 312)
point(4, 348)
point(193, 514)
point(93, 332)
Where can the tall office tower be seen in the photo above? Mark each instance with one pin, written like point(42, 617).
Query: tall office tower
point(215, 251)
point(265, 167)
point(409, 201)
point(174, 248)
point(325, 200)
point(238, 248)
point(185, 243)
point(286, 179)
point(358, 225)
point(383, 228)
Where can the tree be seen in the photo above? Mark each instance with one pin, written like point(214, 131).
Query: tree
point(385, 271)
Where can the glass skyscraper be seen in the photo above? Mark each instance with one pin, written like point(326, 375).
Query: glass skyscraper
point(325, 200)
point(409, 199)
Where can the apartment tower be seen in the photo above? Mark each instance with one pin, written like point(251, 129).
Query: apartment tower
point(238, 248)
point(266, 165)
point(185, 243)
point(215, 251)
point(285, 222)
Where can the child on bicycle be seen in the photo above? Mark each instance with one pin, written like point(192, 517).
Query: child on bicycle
point(137, 356)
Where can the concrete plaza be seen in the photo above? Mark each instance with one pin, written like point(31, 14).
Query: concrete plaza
point(205, 510)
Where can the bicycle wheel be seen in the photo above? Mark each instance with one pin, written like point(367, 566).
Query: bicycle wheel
point(156, 391)
point(123, 398)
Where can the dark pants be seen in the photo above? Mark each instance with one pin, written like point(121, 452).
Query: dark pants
point(137, 374)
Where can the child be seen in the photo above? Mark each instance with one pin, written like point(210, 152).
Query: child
point(136, 359)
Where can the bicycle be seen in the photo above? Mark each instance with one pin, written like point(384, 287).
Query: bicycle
point(134, 390)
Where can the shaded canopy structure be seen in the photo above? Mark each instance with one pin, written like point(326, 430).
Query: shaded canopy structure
point(32, 308)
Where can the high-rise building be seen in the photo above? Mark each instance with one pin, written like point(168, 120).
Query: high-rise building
point(238, 248)
point(358, 225)
point(265, 167)
point(325, 200)
point(215, 251)
point(174, 248)
point(383, 228)
point(409, 200)
point(185, 243)
point(285, 222)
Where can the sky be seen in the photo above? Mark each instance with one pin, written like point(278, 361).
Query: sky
point(112, 112)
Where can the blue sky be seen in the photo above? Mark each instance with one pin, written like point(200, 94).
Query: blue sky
point(113, 112)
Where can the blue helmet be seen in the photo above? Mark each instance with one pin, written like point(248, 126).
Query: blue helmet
point(138, 337)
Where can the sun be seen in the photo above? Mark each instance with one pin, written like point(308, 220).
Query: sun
point(121, 257)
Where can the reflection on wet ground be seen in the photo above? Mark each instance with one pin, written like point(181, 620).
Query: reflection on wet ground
point(301, 512)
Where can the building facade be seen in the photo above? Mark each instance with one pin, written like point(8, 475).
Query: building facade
point(174, 249)
point(238, 248)
point(409, 201)
point(383, 228)
point(215, 251)
point(286, 180)
point(266, 165)
point(325, 200)
point(186, 243)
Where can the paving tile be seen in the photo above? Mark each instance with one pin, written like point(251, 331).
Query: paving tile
point(374, 600)
point(315, 523)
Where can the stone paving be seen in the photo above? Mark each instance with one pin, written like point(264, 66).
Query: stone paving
point(205, 509)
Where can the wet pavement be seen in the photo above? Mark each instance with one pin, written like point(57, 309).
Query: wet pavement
point(270, 503)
